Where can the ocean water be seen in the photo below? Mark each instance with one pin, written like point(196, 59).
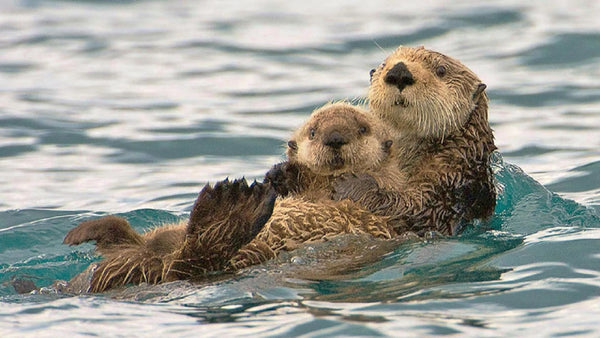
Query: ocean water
point(130, 107)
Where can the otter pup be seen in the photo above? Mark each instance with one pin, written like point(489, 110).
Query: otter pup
point(337, 139)
point(224, 218)
point(437, 109)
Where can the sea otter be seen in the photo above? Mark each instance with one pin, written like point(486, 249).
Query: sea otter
point(337, 139)
point(227, 231)
point(437, 109)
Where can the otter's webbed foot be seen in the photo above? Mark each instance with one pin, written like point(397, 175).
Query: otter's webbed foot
point(107, 231)
point(223, 219)
point(354, 187)
point(285, 177)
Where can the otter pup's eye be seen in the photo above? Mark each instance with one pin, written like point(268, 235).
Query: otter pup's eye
point(363, 130)
point(440, 71)
point(311, 134)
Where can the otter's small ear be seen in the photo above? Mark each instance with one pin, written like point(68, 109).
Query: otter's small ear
point(293, 145)
point(478, 90)
point(387, 145)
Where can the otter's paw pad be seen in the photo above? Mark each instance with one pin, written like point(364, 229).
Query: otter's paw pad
point(353, 187)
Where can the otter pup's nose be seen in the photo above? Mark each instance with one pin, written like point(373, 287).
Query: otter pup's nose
point(399, 76)
point(335, 140)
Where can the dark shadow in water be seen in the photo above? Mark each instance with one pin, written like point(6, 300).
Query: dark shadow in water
point(486, 17)
point(549, 97)
point(563, 50)
point(588, 179)
point(406, 280)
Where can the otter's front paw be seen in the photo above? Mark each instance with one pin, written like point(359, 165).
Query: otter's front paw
point(353, 187)
point(284, 178)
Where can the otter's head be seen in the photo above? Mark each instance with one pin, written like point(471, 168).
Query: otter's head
point(340, 138)
point(424, 93)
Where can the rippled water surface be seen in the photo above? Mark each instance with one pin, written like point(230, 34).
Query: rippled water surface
point(130, 107)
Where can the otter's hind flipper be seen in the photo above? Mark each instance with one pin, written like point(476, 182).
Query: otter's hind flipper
point(107, 231)
point(223, 219)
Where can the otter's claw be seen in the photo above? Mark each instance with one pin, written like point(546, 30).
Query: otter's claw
point(239, 208)
point(224, 218)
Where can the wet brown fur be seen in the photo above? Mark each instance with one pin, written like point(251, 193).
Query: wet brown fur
point(444, 143)
point(222, 220)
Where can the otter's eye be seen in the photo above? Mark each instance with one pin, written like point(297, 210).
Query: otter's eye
point(440, 71)
point(362, 130)
point(311, 134)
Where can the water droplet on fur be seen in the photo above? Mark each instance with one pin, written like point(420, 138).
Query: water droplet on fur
point(297, 260)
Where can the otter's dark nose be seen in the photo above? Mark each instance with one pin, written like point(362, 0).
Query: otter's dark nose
point(399, 76)
point(335, 140)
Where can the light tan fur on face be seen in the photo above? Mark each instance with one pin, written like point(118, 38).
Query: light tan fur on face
point(363, 132)
point(369, 148)
point(433, 106)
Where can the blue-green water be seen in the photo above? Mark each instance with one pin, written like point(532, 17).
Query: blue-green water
point(131, 107)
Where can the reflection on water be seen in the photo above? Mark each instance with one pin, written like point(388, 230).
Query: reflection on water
point(130, 107)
